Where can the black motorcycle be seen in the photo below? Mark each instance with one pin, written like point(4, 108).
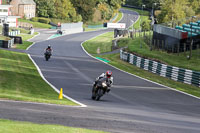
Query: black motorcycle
point(47, 55)
point(99, 89)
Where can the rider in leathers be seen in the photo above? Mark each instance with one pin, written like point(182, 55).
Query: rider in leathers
point(109, 77)
point(49, 49)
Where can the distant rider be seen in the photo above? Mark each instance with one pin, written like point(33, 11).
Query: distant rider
point(48, 50)
point(108, 76)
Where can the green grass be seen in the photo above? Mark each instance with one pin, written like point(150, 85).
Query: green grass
point(119, 17)
point(144, 16)
point(20, 80)
point(4, 38)
point(25, 43)
point(173, 59)
point(134, 45)
point(36, 24)
point(25, 37)
point(103, 42)
point(8, 126)
point(143, 13)
point(115, 61)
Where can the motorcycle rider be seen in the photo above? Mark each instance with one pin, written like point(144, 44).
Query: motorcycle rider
point(108, 76)
point(48, 50)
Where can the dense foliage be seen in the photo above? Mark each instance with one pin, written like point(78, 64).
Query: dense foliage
point(177, 10)
point(170, 10)
point(60, 9)
point(138, 3)
point(77, 10)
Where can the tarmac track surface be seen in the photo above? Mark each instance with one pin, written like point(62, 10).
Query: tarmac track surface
point(134, 105)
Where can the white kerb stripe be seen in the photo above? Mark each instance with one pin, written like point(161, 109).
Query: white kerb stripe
point(146, 64)
point(82, 105)
point(131, 59)
point(138, 61)
point(154, 68)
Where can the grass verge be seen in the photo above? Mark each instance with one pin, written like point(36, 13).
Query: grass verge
point(102, 43)
point(8, 126)
point(25, 43)
point(36, 24)
point(20, 80)
point(114, 59)
point(119, 17)
point(144, 17)
point(173, 59)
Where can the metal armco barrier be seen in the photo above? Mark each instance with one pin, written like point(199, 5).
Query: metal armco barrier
point(174, 73)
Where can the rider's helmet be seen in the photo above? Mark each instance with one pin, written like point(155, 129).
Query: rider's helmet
point(108, 74)
point(49, 46)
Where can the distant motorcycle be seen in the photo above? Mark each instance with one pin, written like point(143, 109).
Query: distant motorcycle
point(99, 89)
point(47, 55)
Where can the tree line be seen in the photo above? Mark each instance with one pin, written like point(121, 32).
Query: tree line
point(170, 10)
point(77, 10)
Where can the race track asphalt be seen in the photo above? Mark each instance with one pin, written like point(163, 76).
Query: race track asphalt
point(134, 105)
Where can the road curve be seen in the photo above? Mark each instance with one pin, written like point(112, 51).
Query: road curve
point(133, 105)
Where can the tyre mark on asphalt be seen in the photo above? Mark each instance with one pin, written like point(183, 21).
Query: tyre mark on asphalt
point(79, 72)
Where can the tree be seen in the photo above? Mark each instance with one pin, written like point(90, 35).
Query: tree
point(45, 8)
point(172, 10)
point(65, 10)
point(61, 9)
point(146, 26)
point(195, 5)
point(85, 8)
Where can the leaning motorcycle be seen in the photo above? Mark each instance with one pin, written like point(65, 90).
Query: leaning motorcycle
point(47, 55)
point(99, 89)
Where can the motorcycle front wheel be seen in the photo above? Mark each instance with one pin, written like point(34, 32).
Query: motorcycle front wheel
point(47, 57)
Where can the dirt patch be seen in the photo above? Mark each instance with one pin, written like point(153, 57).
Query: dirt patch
point(98, 50)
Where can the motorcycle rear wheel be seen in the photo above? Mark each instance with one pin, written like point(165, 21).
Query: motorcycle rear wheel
point(93, 94)
point(99, 94)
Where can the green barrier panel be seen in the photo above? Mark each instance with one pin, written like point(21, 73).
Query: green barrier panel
point(103, 59)
point(169, 71)
point(181, 76)
point(1, 43)
point(95, 26)
point(186, 25)
point(135, 60)
point(179, 27)
point(150, 65)
point(142, 63)
point(53, 27)
point(54, 36)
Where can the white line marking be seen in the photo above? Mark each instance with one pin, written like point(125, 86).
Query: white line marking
point(31, 41)
point(82, 105)
point(137, 87)
point(57, 90)
point(133, 74)
point(37, 103)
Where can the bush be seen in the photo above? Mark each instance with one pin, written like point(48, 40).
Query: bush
point(56, 21)
point(34, 19)
point(23, 30)
point(44, 20)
